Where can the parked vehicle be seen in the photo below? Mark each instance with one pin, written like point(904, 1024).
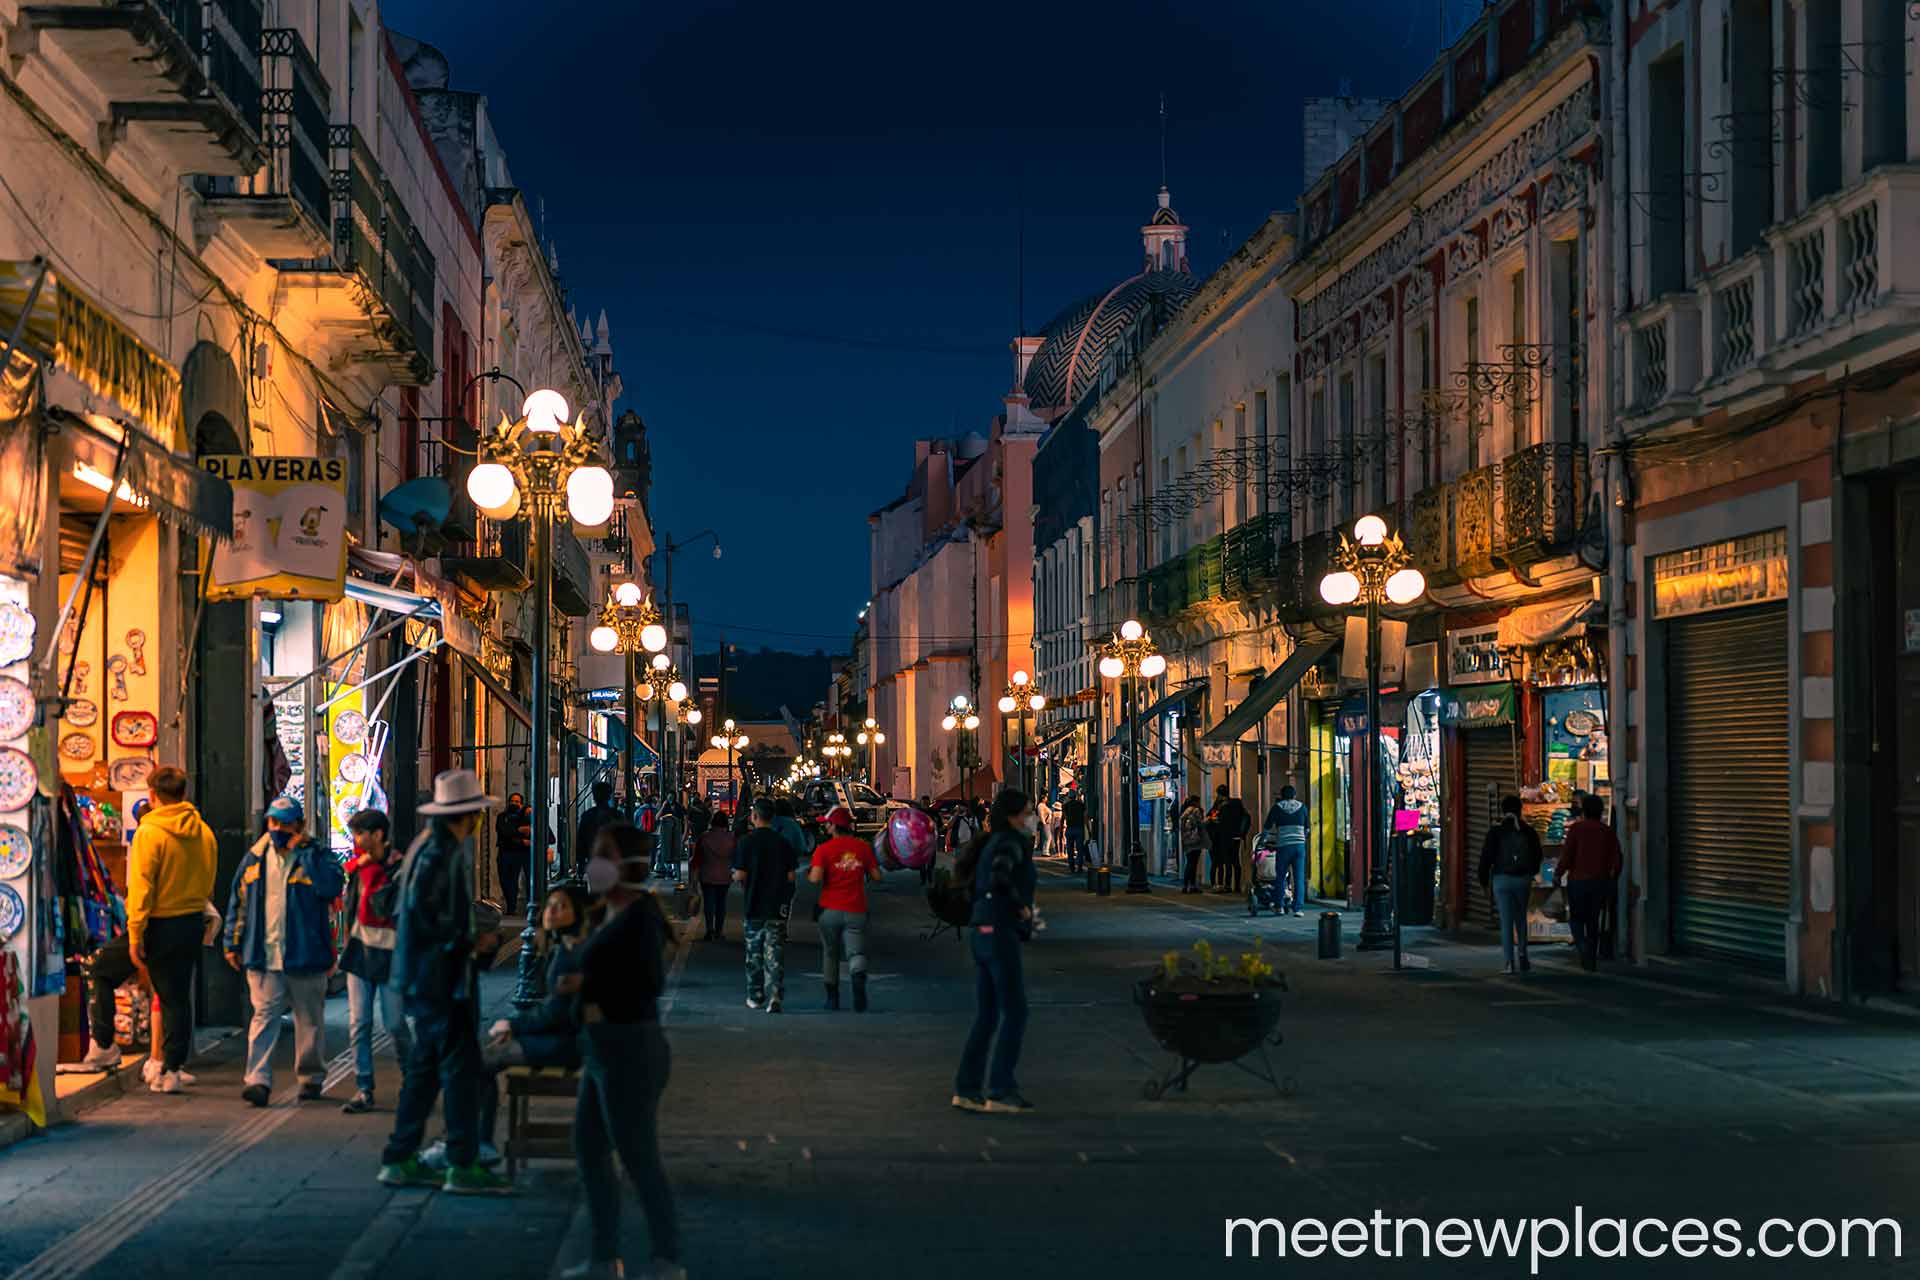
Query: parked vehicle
point(870, 809)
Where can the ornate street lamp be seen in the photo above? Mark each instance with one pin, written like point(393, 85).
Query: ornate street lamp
point(1375, 569)
point(836, 751)
point(1023, 700)
point(662, 687)
point(629, 625)
point(730, 739)
point(872, 739)
point(961, 718)
point(534, 463)
point(689, 719)
point(1130, 656)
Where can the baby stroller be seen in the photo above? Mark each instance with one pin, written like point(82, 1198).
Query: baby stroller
point(1269, 887)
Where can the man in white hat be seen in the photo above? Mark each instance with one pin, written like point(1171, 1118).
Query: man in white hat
point(437, 960)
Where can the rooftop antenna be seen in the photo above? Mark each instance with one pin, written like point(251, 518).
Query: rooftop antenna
point(1020, 251)
point(1163, 140)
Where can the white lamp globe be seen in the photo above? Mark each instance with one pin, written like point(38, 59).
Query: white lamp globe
point(491, 487)
point(1131, 630)
point(603, 639)
point(1340, 587)
point(677, 691)
point(1153, 664)
point(861, 737)
point(1021, 677)
point(1037, 701)
point(1406, 586)
point(1370, 531)
point(627, 595)
point(947, 723)
point(972, 721)
point(661, 662)
point(653, 637)
point(727, 724)
point(590, 495)
point(1111, 667)
point(879, 737)
point(546, 412)
point(1006, 706)
point(718, 741)
point(693, 716)
point(507, 512)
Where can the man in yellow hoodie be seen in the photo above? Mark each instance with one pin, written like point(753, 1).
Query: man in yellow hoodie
point(170, 868)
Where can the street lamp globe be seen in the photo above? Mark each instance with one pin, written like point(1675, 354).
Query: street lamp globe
point(1112, 668)
point(948, 723)
point(627, 595)
point(1037, 701)
point(728, 724)
point(1131, 630)
point(1153, 664)
point(603, 638)
point(1370, 531)
point(693, 715)
point(879, 738)
point(590, 495)
point(1340, 587)
point(972, 721)
point(491, 487)
point(1406, 586)
point(1006, 705)
point(677, 691)
point(653, 637)
point(1021, 677)
point(861, 737)
point(871, 724)
point(718, 742)
point(661, 662)
point(643, 691)
point(545, 411)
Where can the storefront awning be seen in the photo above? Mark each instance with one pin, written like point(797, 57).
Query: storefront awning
point(174, 489)
point(1175, 701)
point(1538, 624)
point(60, 324)
point(1267, 691)
point(378, 595)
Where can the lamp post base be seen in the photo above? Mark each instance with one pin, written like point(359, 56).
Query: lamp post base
point(1376, 927)
point(1137, 873)
point(530, 983)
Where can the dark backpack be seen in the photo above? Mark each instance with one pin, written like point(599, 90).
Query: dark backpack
point(1514, 854)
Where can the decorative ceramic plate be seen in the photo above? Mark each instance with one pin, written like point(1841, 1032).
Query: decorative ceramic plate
point(353, 767)
point(13, 913)
point(82, 713)
point(1581, 723)
point(76, 746)
point(135, 729)
point(17, 631)
point(16, 708)
point(350, 727)
point(19, 779)
point(16, 851)
point(129, 773)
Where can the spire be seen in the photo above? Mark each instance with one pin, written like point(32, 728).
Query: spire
point(1163, 144)
point(1164, 238)
point(603, 344)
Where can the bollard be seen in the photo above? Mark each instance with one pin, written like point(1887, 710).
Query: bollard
point(1105, 881)
point(1329, 935)
point(1092, 879)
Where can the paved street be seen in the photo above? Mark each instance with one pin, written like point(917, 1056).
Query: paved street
point(810, 1144)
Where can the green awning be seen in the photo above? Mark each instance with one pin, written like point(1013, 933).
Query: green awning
point(1268, 690)
point(1484, 706)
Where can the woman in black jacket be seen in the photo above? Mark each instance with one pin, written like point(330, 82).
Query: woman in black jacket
point(1000, 866)
point(548, 1034)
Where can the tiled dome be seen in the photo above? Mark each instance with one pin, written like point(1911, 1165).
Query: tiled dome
point(1076, 340)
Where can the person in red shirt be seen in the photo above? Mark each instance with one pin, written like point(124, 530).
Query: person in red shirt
point(842, 865)
point(367, 956)
point(1589, 867)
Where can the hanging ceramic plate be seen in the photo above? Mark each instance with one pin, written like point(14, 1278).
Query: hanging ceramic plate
point(16, 851)
point(82, 713)
point(19, 779)
point(350, 727)
point(1581, 723)
point(135, 729)
point(353, 767)
point(77, 746)
point(16, 708)
point(17, 631)
point(13, 913)
point(129, 773)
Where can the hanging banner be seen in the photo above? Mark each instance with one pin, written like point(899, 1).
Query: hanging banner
point(289, 528)
point(1483, 708)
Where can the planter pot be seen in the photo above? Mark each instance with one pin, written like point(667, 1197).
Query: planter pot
point(1209, 1026)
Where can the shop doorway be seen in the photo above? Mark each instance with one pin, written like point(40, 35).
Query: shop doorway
point(1890, 949)
point(1490, 768)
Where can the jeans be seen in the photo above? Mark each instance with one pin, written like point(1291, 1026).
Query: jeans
point(1226, 865)
point(1296, 859)
point(1000, 997)
point(273, 992)
point(1076, 842)
point(713, 898)
point(361, 997)
point(1192, 880)
point(1585, 898)
point(445, 1060)
point(767, 958)
point(1510, 896)
point(838, 929)
point(624, 1072)
point(512, 865)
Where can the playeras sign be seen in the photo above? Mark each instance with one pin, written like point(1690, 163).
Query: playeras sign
point(289, 528)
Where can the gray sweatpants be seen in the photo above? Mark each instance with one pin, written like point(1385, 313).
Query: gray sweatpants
point(837, 929)
point(273, 993)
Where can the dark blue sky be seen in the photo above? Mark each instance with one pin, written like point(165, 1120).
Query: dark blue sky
point(802, 220)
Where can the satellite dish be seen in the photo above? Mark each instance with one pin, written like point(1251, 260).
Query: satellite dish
point(418, 509)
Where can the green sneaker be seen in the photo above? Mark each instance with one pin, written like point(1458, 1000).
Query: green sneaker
point(476, 1180)
point(408, 1173)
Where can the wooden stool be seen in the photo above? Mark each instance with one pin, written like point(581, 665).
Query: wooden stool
point(530, 1139)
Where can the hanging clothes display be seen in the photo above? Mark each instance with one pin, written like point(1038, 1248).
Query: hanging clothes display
point(19, 1087)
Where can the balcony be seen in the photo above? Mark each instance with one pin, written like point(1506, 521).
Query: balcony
point(452, 462)
point(1519, 511)
point(1663, 356)
point(495, 560)
point(283, 212)
point(181, 78)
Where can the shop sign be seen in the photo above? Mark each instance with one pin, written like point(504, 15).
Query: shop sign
point(1721, 575)
point(1477, 708)
point(83, 338)
point(1153, 789)
point(1216, 755)
point(1474, 657)
point(604, 697)
point(289, 528)
point(1351, 720)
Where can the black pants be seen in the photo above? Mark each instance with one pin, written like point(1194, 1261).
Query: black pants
point(714, 900)
point(1193, 868)
point(1584, 901)
point(1226, 866)
point(512, 865)
point(173, 948)
point(445, 1060)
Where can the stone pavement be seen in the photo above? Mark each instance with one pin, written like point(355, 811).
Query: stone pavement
point(815, 1144)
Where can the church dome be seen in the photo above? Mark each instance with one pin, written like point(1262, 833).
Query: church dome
point(1075, 342)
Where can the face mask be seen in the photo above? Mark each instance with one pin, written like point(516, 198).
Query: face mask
point(1030, 822)
point(281, 839)
point(602, 875)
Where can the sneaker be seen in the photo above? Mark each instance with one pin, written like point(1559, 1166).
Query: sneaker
point(435, 1156)
point(595, 1271)
point(310, 1091)
point(489, 1156)
point(166, 1082)
point(1298, 914)
point(1011, 1103)
point(476, 1180)
point(968, 1102)
point(408, 1173)
point(359, 1104)
point(257, 1094)
point(103, 1059)
point(753, 1002)
point(187, 1079)
point(773, 1005)
point(150, 1070)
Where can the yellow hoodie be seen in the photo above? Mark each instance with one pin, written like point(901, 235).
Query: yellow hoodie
point(170, 866)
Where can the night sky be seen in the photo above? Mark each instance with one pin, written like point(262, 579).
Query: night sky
point(803, 220)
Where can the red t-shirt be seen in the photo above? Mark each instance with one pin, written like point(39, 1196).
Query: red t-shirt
point(1592, 851)
point(846, 862)
point(371, 876)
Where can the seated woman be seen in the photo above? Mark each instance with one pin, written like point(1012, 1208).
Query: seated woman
point(547, 1035)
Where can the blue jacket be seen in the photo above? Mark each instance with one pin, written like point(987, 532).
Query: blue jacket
point(1004, 881)
point(313, 885)
point(433, 935)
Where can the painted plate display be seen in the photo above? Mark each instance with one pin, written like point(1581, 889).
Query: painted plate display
point(16, 851)
point(76, 746)
point(13, 913)
point(129, 773)
point(353, 767)
point(17, 631)
point(1581, 723)
point(350, 727)
point(82, 713)
point(135, 729)
point(19, 779)
point(16, 708)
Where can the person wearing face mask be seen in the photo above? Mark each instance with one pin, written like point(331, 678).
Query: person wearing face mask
point(625, 1060)
point(279, 934)
point(1004, 881)
point(368, 955)
point(512, 848)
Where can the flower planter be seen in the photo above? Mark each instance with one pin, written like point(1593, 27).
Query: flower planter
point(1209, 1023)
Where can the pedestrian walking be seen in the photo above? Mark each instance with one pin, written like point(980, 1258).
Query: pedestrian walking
point(1509, 860)
point(786, 820)
point(625, 1062)
point(764, 862)
point(599, 815)
point(965, 826)
point(713, 863)
point(1287, 821)
point(367, 957)
point(669, 833)
point(1073, 823)
point(842, 866)
point(513, 849)
point(1589, 867)
point(1227, 824)
point(1193, 842)
point(438, 956)
point(279, 935)
point(1001, 871)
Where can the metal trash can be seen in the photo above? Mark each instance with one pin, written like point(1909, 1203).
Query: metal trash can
point(1103, 880)
point(1092, 878)
point(1329, 935)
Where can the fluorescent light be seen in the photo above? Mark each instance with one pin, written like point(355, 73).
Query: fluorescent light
point(271, 617)
point(104, 483)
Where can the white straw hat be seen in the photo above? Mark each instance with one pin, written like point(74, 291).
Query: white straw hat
point(458, 791)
